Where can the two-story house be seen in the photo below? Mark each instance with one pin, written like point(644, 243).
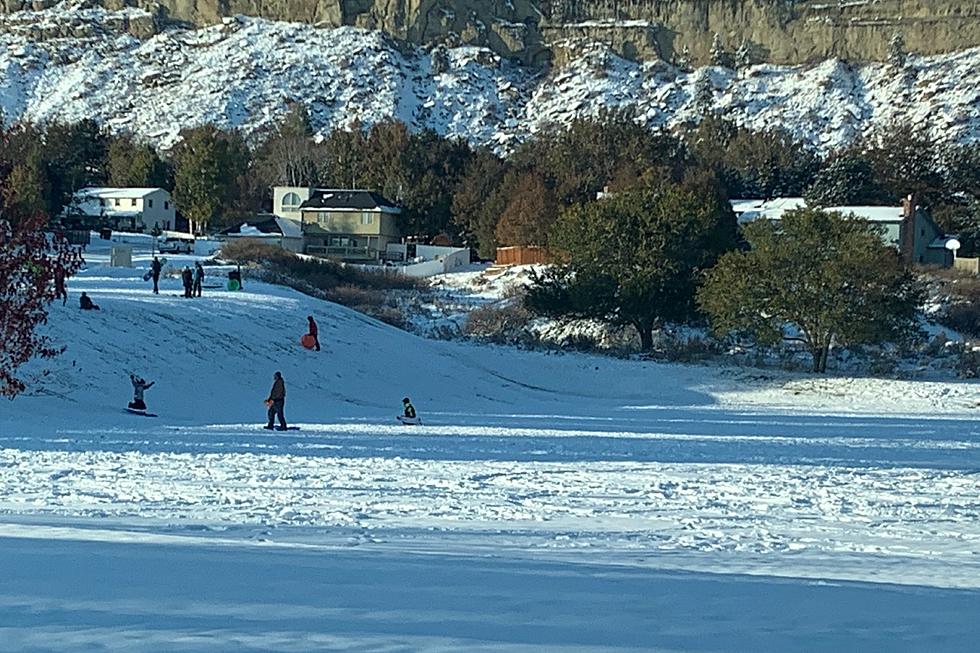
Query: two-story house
point(351, 225)
point(124, 209)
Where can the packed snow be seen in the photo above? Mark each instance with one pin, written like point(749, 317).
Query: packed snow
point(548, 501)
point(245, 73)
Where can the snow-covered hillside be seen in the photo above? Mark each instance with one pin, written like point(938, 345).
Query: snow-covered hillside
point(245, 72)
point(549, 502)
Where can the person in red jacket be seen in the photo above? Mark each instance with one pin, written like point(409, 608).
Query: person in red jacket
point(314, 331)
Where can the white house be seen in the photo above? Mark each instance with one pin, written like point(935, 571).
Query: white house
point(126, 209)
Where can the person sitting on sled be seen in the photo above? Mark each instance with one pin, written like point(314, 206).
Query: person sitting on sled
point(139, 386)
point(409, 408)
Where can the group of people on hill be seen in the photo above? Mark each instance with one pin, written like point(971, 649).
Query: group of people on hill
point(193, 280)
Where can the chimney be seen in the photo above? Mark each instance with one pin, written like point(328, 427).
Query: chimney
point(906, 231)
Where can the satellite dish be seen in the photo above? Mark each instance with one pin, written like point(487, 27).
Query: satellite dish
point(952, 244)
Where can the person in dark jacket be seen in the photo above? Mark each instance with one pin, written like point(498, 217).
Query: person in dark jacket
point(139, 387)
point(188, 278)
point(277, 402)
point(409, 408)
point(198, 278)
point(86, 303)
point(59, 285)
point(155, 268)
point(314, 331)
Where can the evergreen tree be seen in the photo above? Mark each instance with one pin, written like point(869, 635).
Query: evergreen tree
point(905, 160)
point(23, 192)
point(530, 213)
point(704, 95)
point(478, 201)
point(75, 157)
point(846, 180)
point(636, 258)
point(743, 56)
point(897, 56)
point(209, 166)
point(719, 56)
point(133, 164)
point(829, 276)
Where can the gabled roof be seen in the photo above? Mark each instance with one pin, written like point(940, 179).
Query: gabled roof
point(122, 193)
point(324, 199)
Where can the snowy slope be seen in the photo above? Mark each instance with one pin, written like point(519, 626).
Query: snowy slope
point(550, 502)
point(245, 72)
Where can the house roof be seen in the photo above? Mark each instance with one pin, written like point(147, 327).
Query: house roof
point(871, 213)
point(270, 226)
point(359, 200)
point(773, 209)
point(121, 193)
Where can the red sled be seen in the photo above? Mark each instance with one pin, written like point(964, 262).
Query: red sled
point(308, 341)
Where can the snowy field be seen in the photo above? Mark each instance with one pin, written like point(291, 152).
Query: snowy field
point(549, 502)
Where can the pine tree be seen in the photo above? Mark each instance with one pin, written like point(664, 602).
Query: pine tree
point(719, 56)
point(897, 56)
point(703, 99)
point(531, 211)
point(743, 57)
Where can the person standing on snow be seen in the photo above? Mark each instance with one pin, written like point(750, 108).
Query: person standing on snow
point(59, 285)
point(314, 331)
point(188, 278)
point(198, 278)
point(139, 387)
point(155, 268)
point(277, 402)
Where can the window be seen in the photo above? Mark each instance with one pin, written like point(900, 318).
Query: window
point(367, 218)
point(291, 202)
point(115, 202)
point(166, 206)
point(149, 203)
point(132, 202)
point(101, 202)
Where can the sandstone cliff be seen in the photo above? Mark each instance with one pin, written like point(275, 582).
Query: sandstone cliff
point(534, 31)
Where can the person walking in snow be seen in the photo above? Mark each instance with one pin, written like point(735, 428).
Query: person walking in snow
point(139, 387)
point(155, 268)
point(188, 278)
point(198, 278)
point(314, 332)
point(277, 402)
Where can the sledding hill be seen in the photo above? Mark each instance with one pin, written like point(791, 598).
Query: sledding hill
point(212, 359)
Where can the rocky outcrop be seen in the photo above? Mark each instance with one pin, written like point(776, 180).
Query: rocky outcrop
point(777, 31)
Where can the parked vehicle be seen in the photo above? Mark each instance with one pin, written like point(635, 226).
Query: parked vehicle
point(175, 242)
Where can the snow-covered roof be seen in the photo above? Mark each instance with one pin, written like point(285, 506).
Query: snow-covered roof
point(121, 193)
point(748, 210)
point(269, 226)
point(871, 213)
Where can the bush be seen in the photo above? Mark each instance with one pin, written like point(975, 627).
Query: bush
point(502, 323)
point(364, 291)
point(322, 274)
point(965, 318)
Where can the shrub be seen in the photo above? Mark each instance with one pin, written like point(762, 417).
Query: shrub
point(964, 317)
point(502, 323)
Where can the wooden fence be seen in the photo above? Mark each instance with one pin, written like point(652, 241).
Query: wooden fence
point(521, 255)
point(970, 265)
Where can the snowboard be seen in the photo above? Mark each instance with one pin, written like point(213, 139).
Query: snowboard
point(149, 273)
point(144, 413)
point(409, 421)
point(288, 428)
